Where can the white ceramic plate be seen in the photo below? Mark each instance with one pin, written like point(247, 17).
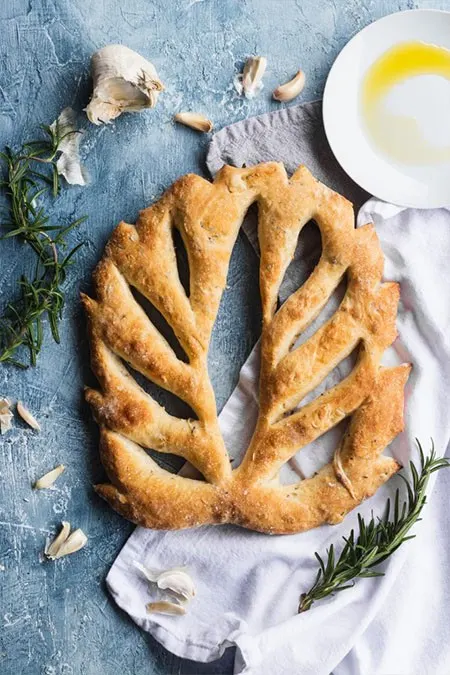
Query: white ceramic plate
point(423, 187)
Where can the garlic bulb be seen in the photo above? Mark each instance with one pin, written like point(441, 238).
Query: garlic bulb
point(123, 82)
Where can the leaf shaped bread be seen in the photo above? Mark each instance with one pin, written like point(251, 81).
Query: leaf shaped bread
point(208, 217)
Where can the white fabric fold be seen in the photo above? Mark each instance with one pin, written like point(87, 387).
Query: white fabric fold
point(248, 584)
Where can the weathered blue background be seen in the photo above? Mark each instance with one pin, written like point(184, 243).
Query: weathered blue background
point(56, 618)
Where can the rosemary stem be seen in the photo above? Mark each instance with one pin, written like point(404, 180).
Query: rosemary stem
point(22, 322)
point(377, 540)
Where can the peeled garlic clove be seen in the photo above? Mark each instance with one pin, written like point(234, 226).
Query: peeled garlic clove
point(68, 163)
point(288, 91)
point(194, 121)
point(49, 478)
point(27, 416)
point(74, 542)
point(164, 607)
point(178, 581)
point(52, 550)
point(254, 70)
point(123, 82)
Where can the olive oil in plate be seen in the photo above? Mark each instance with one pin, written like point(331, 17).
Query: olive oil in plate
point(405, 104)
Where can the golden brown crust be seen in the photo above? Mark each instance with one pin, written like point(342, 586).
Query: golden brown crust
point(208, 217)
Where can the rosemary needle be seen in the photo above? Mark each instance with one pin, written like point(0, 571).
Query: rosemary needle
point(377, 540)
point(29, 174)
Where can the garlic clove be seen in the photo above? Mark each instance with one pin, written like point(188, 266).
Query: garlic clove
point(52, 550)
point(252, 75)
point(123, 82)
point(178, 581)
point(194, 121)
point(165, 607)
point(74, 542)
point(291, 89)
point(27, 416)
point(68, 164)
point(49, 478)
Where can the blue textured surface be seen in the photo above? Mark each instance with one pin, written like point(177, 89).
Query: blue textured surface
point(56, 618)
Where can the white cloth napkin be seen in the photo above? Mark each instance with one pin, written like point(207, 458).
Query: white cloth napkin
point(248, 584)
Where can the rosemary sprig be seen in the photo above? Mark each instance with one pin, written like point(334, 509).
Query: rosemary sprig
point(377, 540)
point(30, 173)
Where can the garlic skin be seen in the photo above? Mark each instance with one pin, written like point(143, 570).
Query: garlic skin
point(6, 416)
point(291, 89)
point(27, 416)
point(66, 542)
point(341, 475)
point(74, 542)
point(254, 69)
point(177, 580)
point(49, 478)
point(123, 82)
point(68, 163)
point(148, 572)
point(164, 607)
point(51, 550)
